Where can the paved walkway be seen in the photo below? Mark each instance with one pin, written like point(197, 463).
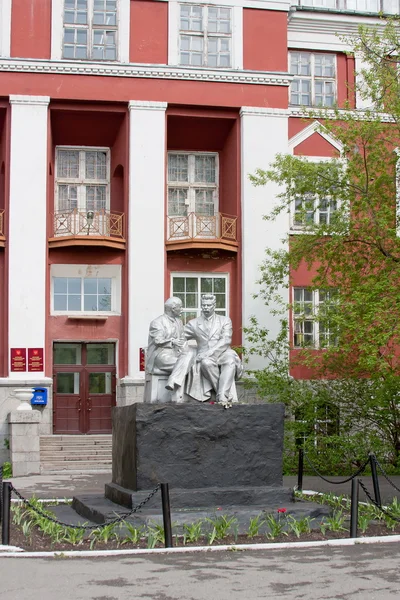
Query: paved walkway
point(357, 572)
point(67, 485)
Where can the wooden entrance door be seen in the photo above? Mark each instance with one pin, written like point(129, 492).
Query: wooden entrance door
point(84, 387)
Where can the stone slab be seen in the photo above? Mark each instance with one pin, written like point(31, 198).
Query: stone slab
point(97, 509)
point(24, 416)
point(197, 446)
point(213, 496)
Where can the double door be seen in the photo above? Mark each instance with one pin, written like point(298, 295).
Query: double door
point(84, 387)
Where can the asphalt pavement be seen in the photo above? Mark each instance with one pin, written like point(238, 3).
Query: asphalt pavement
point(359, 572)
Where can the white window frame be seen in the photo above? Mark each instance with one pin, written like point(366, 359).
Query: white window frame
point(122, 28)
point(296, 227)
point(316, 212)
point(236, 33)
point(5, 28)
point(190, 185)
point(313, 78)
point(312, 318)
point(81, 182)
point(200, 275)
point(112, 272)
point(349, 5)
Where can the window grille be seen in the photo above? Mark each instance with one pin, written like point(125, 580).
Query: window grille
point(189, 288)
point(314, 82)
point(205, 37)
point(90, 29)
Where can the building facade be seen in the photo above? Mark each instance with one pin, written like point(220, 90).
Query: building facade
point(128, 129)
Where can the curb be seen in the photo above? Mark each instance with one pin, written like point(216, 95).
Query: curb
point(18, 552)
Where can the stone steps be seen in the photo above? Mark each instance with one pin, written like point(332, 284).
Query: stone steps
point(82, 453)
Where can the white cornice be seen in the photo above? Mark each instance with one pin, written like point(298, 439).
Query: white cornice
point(318, 30)
point(282, 5)
point(264, 112)
point(145, 105)
point(144, 71)
point(38, 100)
point(312, 113)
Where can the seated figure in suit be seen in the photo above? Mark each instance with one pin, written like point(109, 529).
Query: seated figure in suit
point(167, 349)
point(216, 365)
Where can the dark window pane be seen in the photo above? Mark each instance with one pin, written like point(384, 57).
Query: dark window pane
point(67, 354)
point(100, 354)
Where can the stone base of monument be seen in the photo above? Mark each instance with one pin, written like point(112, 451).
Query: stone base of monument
point(207, 454)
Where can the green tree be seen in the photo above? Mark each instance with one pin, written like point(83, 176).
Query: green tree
point(356, 254)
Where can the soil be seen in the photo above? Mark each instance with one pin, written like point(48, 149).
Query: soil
point(37, 542)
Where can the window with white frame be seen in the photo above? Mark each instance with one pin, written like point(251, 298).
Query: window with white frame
point(90, 29)
point(312, 210)
point(373, 6)
point(314, 82)
point(205, 36)
point(190, 287)
point(192, 184)
point(85, 289)
point(311, 325)
point(82, 179)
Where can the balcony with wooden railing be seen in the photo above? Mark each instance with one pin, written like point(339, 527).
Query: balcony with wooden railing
point(91, 228)
point(216, 232)
point(2, 236)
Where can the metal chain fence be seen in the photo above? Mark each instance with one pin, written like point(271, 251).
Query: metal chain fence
point(370, 498)
point(386, 476)
point(118, 519)
point(360, 470)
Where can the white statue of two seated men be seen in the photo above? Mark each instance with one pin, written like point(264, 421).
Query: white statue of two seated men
point(194, 371)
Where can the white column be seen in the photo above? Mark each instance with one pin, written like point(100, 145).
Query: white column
point(361, 103)
point(146, 229)
point(27, 233)
point(264, 133)
point(5, 27)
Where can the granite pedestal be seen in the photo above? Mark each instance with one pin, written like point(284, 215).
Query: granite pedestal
point(207, 454)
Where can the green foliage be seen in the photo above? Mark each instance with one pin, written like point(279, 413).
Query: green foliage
point(105, 533)
point(73, 536)
point(192, 532)
point(221, 526)
point(7, 470)
point(155, 535)
point(363, 522)
point(134, 534)
point(356, 253)
point(254, 526)
point(276, 526)
point(334, 523)
point(299, 526)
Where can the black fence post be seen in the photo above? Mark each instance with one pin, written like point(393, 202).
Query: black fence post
point(300, 470)
point(6, 513)
point(375, 480)
point(166, 509)
point(354, 508)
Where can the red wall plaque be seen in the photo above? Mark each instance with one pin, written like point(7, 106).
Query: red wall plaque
point(18, 359)
point(35, 359)
point(142, 360)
